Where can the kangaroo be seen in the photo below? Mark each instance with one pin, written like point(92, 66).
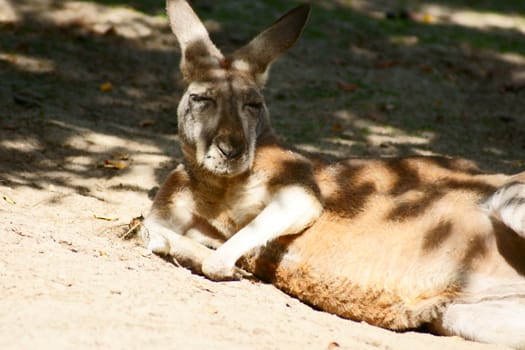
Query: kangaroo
point(398, 243)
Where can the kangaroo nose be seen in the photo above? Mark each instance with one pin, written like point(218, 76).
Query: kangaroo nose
point(230, 147)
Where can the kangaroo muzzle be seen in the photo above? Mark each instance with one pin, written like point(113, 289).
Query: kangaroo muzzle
point(230, 146)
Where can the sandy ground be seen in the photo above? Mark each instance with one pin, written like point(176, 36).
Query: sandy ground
point(87, 131)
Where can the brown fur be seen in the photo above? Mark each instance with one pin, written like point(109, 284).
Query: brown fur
point(396, 242)
point(381, 214)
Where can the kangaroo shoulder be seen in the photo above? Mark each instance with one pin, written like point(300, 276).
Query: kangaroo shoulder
point(284, 167)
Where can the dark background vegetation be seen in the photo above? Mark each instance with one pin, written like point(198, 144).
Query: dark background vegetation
point(367, 78)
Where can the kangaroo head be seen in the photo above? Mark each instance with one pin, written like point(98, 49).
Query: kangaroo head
point(222, 111)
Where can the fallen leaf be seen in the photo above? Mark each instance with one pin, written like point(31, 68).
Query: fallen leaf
point(105, 218)
point(336, 127)
point(333, 345)
point(146, 122)
point(346, 86)
point(105, 87)
point(9, 200)
point(133, 227)
point(135, 222)
point(428, 18)
point(115, 164)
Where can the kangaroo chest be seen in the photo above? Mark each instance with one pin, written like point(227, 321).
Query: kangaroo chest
point(230, 208)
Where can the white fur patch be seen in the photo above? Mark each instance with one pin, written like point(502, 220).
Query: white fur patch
point(291, 210)
point(490, 311)
point(164, 225)
point(187, 27)
point(216, 163)
point(493, 321)
point(242, 65)
point(157, 237)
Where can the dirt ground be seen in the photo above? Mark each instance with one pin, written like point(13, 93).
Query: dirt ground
point(88, 92)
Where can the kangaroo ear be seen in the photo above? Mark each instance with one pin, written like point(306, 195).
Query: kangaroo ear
point(258, 54)
point(198, 52)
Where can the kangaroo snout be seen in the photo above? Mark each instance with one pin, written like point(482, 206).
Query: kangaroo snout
point(230, 146)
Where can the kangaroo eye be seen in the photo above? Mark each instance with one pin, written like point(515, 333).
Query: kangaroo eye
point(254, 105)
point(200, 98)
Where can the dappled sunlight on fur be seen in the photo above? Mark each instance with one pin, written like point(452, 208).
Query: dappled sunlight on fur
point(398, 243)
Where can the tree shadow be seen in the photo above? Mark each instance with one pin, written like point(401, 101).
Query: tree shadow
point(418, 88)
point(59, 124)
point(76, 102)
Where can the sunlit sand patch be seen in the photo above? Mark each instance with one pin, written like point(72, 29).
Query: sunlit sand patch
point(28, 63)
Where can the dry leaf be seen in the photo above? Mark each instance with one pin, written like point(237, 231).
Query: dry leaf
point(428, 18)
point(106, 218)
point(133, 227)
point(9, 200)
point(115, 164)
point(333, 345)
point(135, 222)
point(346, 86)
point(146, 122)
point(105, 87)
point(336, 127)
